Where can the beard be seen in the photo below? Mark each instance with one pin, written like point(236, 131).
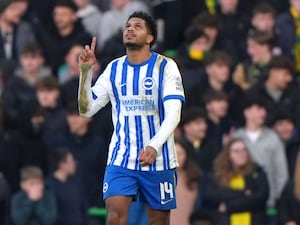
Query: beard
point(133, 46)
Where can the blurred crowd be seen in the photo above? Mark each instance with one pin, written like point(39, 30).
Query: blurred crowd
point(238, 140)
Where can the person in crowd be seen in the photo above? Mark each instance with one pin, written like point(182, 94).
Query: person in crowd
point(89, 150)
point(115, 17)
point(234, 23)
point(188, 176)
point(255, 69)
point(288, 27)
point(263, 17)
point(191, 55)
point(264, 146)
point(71, 200)
point(4, 201)
point(217, 67)
point(238, 189)
point(289, 204)
point(89, 14)
point(194, 127)
point(53, 116)
point(67, 30)
point(283, 124)
point(219, 124)
point(210, 23)
point(15, 35)
point(34, 203)
point(19, 98)
point(278, 90)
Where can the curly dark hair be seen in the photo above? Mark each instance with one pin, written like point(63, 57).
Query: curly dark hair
point(150, 23)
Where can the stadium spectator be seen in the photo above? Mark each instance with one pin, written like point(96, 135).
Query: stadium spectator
point(89, 14)
point(15, 34)
point(238, 189)
point(89, 151)
point(278, 90)
point(211, 26)
point(67, 31)
point(191, 54)
point(203, 148)
point(283, 124)
point(19, 98)
point(254, 69)
point(35, 203)
point(234, 24)
point(219, 125)
point(288, 27)
point(71, 200)
point(53, 119)
point(263, 17)
point(265, 147)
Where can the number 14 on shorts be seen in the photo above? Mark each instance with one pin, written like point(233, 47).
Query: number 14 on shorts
point(166, 192)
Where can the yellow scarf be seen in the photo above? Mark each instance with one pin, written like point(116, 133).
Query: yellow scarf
point(211, 6)
point(296, 16)
point(243, 218)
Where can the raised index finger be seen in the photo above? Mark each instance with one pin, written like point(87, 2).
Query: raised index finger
point(93, 45)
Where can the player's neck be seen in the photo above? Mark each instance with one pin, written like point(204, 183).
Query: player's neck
point(138, 56)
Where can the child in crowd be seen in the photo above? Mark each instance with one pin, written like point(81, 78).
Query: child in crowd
point(33, 204)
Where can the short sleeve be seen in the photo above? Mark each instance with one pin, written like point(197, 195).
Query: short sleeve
point(172, 85)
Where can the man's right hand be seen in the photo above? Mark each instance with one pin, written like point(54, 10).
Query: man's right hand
point(88, 54)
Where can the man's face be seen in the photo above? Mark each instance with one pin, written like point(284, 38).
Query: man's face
point(31, 63)
point(69, 165)
point(218, 71)
point(285, 129)
point(135, 35)
point(217, 108)
point(196, 128)
point(48, 98)
point(228, 5)
point(295, 4)
point(280, 77)
point(256, 115)
point(77, 123)
point(14, 12)
point(263, 22)
point(64, 17)
point(255, 50)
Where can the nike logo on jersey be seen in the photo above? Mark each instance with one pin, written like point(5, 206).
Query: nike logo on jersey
point(166, 201)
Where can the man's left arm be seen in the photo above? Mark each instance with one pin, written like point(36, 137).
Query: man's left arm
point(173, 96)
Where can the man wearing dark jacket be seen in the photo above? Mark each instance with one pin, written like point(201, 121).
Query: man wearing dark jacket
point(278, 90)
point(89, 150)
point(68, 30)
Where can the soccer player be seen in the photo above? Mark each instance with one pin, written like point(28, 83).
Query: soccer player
point(146, 93)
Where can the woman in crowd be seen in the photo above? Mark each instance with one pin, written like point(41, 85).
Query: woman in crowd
point(238, 189)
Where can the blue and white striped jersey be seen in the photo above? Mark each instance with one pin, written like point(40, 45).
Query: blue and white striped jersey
point(137, 94)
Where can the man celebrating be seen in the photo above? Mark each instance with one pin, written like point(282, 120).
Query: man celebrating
point(146, 93)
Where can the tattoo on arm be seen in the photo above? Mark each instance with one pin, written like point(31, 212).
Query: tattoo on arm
point(83, 95)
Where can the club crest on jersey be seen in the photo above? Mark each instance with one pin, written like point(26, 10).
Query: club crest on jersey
point(148, 83)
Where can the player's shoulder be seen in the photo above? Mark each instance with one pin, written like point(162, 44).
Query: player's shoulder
point(169, 61)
